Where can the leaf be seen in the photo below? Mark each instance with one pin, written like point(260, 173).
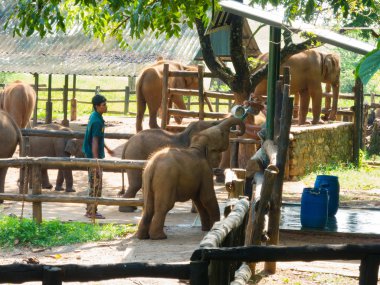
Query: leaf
point(369, 65)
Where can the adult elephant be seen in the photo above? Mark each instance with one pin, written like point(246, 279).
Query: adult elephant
point(180, 174)
point(144, 143)
point(308, 69)
point(18, 99)
point(56, 147)
point(10, 137)
point(149, 90)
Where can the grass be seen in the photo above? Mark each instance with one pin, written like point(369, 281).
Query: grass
point(26, 232)
point(350, 177)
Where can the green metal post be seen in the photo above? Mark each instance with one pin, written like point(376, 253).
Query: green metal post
point(273, 75)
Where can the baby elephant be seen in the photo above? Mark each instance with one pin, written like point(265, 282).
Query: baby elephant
point(56, 147)
point(180, 174)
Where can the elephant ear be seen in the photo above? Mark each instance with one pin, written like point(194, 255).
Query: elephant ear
point(72, 147)
point(330, 67)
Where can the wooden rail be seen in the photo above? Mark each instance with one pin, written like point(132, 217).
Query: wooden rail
point(200, 93)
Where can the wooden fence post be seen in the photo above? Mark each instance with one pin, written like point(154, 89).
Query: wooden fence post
point(36, 77)
point(73, 104)
point(24, 172)
point(36, 190)
point(283, 143)
point(165, 95)
point(52, 276)
point(65, 121)
point(127, 93)
point(49, 104)
point(201, 93)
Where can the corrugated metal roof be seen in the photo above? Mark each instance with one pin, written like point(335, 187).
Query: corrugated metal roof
point(79, 54)
point(76, 53)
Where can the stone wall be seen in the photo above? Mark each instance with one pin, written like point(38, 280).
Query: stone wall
point(311, 146)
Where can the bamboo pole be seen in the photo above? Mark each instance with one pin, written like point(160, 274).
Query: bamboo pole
point(201, 94)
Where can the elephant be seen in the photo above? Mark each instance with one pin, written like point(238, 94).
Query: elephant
point(10, 137)
point(146, 142)
point(175, 174)
point(18, 99)
point(56, 147)
point(308, 69)
point(149, 90)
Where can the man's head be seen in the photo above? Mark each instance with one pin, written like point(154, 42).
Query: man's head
point(99, 102)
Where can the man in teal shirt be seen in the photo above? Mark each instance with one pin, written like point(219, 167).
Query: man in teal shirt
point(93, 147)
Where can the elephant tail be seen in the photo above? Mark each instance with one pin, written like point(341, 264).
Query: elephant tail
point(19, 135)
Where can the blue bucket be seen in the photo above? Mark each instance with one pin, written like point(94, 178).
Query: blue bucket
point(314, 207)
point(330, 183)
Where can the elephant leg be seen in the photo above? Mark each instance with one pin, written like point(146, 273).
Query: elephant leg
point(334, 107)
point(153, 119)
point(59, 181)
point(304, 107)
point(45, 179)
point(146, 219)
point(205, 218)
point(208, 199)
point(68, 174)
point(161, 208)
point(316, 97)
point(296, 106)
point(3, 173)
point(134, 185)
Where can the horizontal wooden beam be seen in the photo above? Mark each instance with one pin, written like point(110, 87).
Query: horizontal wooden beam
point(73, 163)
point(65, 134)
point(72, 199)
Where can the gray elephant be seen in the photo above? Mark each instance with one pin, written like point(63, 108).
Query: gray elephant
point(56, 147)
point(144, 143)
point(10, 137)
point(179, 174)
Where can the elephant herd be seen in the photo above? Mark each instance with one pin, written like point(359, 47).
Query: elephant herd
point(179, 166)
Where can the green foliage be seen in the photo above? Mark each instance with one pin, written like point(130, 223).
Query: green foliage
point(26, 232)
point(369, 65)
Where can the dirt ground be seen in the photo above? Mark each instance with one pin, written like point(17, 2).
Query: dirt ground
point(182, 228)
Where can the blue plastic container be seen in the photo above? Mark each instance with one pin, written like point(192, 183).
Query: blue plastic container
point(314, 207)
point(330, 183)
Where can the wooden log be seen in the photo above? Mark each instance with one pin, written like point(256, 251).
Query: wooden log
point(257, 253)
point(36, 190)
point(65, 121)
point(72, 199)
point(74, 163)
point(358, 121)
point(260, 208)
point(234, 154)
point(283, 143)
point(219, 231)
point(65, 134)
point(20, 273)
point(369, 270)
point(199, 272)
point(242, 275)
point(245, 141)
point(182, 73)
point(52, 275)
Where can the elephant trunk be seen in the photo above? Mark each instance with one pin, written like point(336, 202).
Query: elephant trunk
point(232, 121)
